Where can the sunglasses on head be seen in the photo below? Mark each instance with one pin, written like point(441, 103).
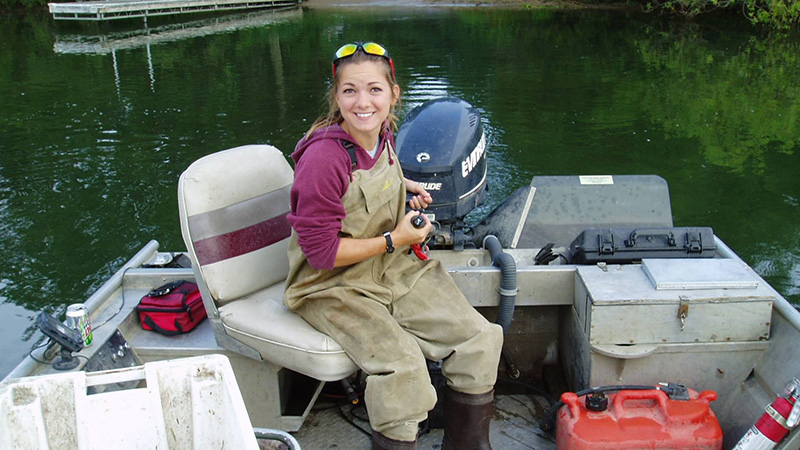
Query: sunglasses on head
point(370, 48)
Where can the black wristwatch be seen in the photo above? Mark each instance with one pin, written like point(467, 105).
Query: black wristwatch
point(389, 244)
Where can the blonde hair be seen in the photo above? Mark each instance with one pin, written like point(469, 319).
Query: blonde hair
point(334, 115)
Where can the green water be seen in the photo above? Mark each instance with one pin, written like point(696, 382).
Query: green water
point(98, 121)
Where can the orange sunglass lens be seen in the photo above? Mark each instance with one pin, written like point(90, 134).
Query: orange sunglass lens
point(346, 50)
point(374, 49)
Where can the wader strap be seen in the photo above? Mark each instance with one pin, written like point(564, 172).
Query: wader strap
point(351, 149)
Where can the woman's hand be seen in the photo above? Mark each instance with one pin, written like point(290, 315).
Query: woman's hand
point(421, 198)
point(406, 234)
point(352, 251)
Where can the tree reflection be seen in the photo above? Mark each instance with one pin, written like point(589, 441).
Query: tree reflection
point(740, 103)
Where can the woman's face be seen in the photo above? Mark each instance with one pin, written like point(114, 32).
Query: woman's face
point(365, 98)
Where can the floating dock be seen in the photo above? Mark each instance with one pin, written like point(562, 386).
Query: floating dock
point(125, 9)
point(108, 43)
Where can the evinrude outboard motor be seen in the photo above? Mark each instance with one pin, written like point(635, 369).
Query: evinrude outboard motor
point(441, 145)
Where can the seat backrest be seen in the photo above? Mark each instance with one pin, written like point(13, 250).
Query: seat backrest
point(233, 206)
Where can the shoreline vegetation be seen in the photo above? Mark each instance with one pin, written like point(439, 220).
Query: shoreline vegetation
point(774, 14)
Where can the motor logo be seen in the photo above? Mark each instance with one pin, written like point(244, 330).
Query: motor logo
point(475, 157)
point(431, 186)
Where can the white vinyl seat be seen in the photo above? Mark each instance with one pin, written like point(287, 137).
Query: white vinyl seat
point(233, 206)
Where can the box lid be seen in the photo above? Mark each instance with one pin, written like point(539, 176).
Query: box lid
point(673, 280)
point(699, 274)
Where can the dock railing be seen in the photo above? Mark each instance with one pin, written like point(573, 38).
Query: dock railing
point(125, 9)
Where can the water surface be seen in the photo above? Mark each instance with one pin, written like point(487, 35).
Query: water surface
point(98, 121)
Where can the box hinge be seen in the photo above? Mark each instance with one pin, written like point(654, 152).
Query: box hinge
point(683, 311)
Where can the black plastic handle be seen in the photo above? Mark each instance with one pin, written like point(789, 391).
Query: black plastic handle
point(631, 242)
point(418, 221)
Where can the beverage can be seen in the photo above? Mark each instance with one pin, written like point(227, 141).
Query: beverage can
point(78, 318)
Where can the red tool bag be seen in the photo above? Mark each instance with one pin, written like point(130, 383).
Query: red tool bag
point(633, 419)
point(171, 309)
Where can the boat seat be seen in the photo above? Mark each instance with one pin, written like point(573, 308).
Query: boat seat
point(233, 206)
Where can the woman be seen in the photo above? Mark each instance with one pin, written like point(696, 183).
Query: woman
point(352, 277)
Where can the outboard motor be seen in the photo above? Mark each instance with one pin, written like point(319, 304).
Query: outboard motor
point(441, 145)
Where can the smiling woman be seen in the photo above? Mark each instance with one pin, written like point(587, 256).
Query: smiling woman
point(366, 96)
point(390, 312)
point(369, 88)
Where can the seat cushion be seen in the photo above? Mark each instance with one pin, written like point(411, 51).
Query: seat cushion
point(263, 322)
point(233, 208)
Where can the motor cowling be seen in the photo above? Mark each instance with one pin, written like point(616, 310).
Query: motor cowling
point(442, 146)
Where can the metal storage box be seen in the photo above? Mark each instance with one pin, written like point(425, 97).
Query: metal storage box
point(672, 301)
point(648, 364)
point(178, 404)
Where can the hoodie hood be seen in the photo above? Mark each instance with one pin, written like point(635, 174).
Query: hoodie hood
point(335, 132)
point(332, 132)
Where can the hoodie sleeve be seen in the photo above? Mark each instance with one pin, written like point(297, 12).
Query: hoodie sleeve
point(321, 178)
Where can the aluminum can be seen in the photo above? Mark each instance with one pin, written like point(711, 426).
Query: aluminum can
point(78, 318)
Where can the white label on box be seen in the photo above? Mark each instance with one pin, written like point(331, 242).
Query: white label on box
point(596, 179)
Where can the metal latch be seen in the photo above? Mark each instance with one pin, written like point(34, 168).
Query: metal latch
point(683, 311)
point(606, 243)
point(694, 242)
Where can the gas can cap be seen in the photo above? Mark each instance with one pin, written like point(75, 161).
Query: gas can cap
point(597, 402)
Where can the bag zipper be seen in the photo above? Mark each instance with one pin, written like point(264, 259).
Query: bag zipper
point(166, 310)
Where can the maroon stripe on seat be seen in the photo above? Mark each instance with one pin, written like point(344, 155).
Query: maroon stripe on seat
point(240, 242)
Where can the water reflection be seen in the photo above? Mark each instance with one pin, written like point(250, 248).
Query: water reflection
point(113, 42)
point(96, 133)
point(741, 102)
point(145, 37)
point(425, 87)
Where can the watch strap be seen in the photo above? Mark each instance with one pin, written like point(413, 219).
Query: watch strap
point(389, 245)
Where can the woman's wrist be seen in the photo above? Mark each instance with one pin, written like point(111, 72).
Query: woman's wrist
point(387, 235)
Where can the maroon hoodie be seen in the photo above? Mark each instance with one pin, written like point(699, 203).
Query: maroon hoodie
point(323, 171)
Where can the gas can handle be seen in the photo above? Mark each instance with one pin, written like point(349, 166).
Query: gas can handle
point(661, 397)
point(622, 396)
point(571, 400)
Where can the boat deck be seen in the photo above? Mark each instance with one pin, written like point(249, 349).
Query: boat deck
point(124, 9)
point(513, 427)
point(289, 401)
point(333, 425)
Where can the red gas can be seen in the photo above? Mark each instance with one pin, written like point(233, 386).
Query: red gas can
point(646, 419)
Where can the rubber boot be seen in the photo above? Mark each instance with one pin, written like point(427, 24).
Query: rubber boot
point(466, 420)
point(381, 442)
